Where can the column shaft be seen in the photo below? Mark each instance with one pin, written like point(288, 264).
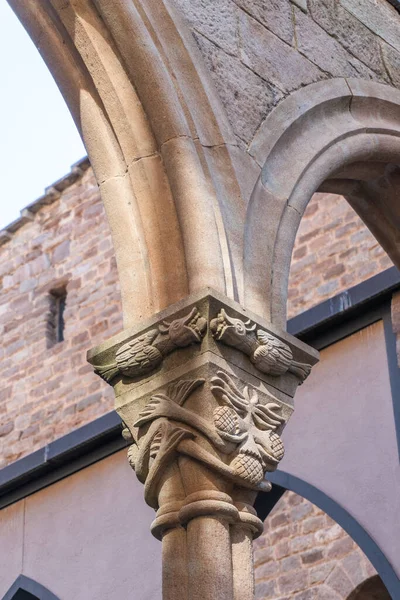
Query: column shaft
point(209, 559)
point(242, 562)
point(174, 565)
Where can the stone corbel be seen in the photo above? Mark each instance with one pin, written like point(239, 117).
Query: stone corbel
point(204, 422)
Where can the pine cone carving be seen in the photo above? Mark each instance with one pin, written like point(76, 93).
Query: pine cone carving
point(277, 446)
point(248, 467)
point(226, 420)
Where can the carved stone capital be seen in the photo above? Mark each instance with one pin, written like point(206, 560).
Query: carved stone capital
point(204, 391)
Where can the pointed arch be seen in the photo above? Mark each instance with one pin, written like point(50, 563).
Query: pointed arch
point(25, 588)
point(341, 136)
point(158, 139)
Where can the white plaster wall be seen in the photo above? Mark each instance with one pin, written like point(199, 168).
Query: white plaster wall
point(86, 537)
point(342, 439)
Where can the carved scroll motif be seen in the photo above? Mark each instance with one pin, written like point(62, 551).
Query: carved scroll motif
point(241, 439)
point(146, 352)
point(267, 353)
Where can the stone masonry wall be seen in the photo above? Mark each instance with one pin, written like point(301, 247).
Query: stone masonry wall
point(258, 51)
point(333, 252)
point(48, 391)
point(304, 555)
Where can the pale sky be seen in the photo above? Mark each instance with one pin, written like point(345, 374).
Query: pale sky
point(39, 141)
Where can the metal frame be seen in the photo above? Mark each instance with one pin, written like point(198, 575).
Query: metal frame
point(283, 481)
point(25, 588)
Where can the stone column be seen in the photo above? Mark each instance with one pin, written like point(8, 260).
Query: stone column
point(204, 390)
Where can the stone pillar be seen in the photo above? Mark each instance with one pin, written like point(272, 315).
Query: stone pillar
point(204, 390)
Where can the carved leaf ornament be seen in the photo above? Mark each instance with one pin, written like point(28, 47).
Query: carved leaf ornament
point(242, 432)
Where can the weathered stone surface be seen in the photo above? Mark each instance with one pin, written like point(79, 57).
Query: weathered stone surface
point(246, 97)
point(218, 21)
point(272, 59)
point(308, 558)
point(327, 593)
point(339, 582)
point(301, 4)
point(349, 31)
point(293, 582)
point(353, 565)
point(391, 59)
point(178, 394)
point(380, 17)
point(323, 50)
point(266, 589)
point(275, 15)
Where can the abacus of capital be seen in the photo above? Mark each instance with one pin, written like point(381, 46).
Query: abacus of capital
point(204, 390)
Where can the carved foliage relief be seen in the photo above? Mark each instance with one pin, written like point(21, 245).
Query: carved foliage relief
point(239, 444)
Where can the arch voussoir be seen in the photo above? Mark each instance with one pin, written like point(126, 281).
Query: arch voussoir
point(312, 136)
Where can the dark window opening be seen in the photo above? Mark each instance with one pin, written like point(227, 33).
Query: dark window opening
point(55, 322)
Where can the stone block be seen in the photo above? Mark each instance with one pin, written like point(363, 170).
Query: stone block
point(320, 573)
point(262, 555)
point(268, 570)
point(307, 595)
point(272, 59)
point(6, 428)
point(266, 589)
point(279, 520)
point(340, 548)
point(380, 17)
point(349, 31)
point(353, 565)
point(328, 535)
point(312, 556)
point(391, 58)
point(291, 563)
point(325, 592)
point(246, 97)
point(215, 20)
point(312, 524)
point(290, 583)
point(339, 582)
point(89, 401)
point(301, 543)
point(324, 51)
point(275, 15)
point(61, 252)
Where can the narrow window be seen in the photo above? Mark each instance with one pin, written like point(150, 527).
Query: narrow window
point(55, 322)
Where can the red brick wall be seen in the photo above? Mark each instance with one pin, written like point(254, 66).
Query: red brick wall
point(333, 252)
point(47, 392)
point(303, 554)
